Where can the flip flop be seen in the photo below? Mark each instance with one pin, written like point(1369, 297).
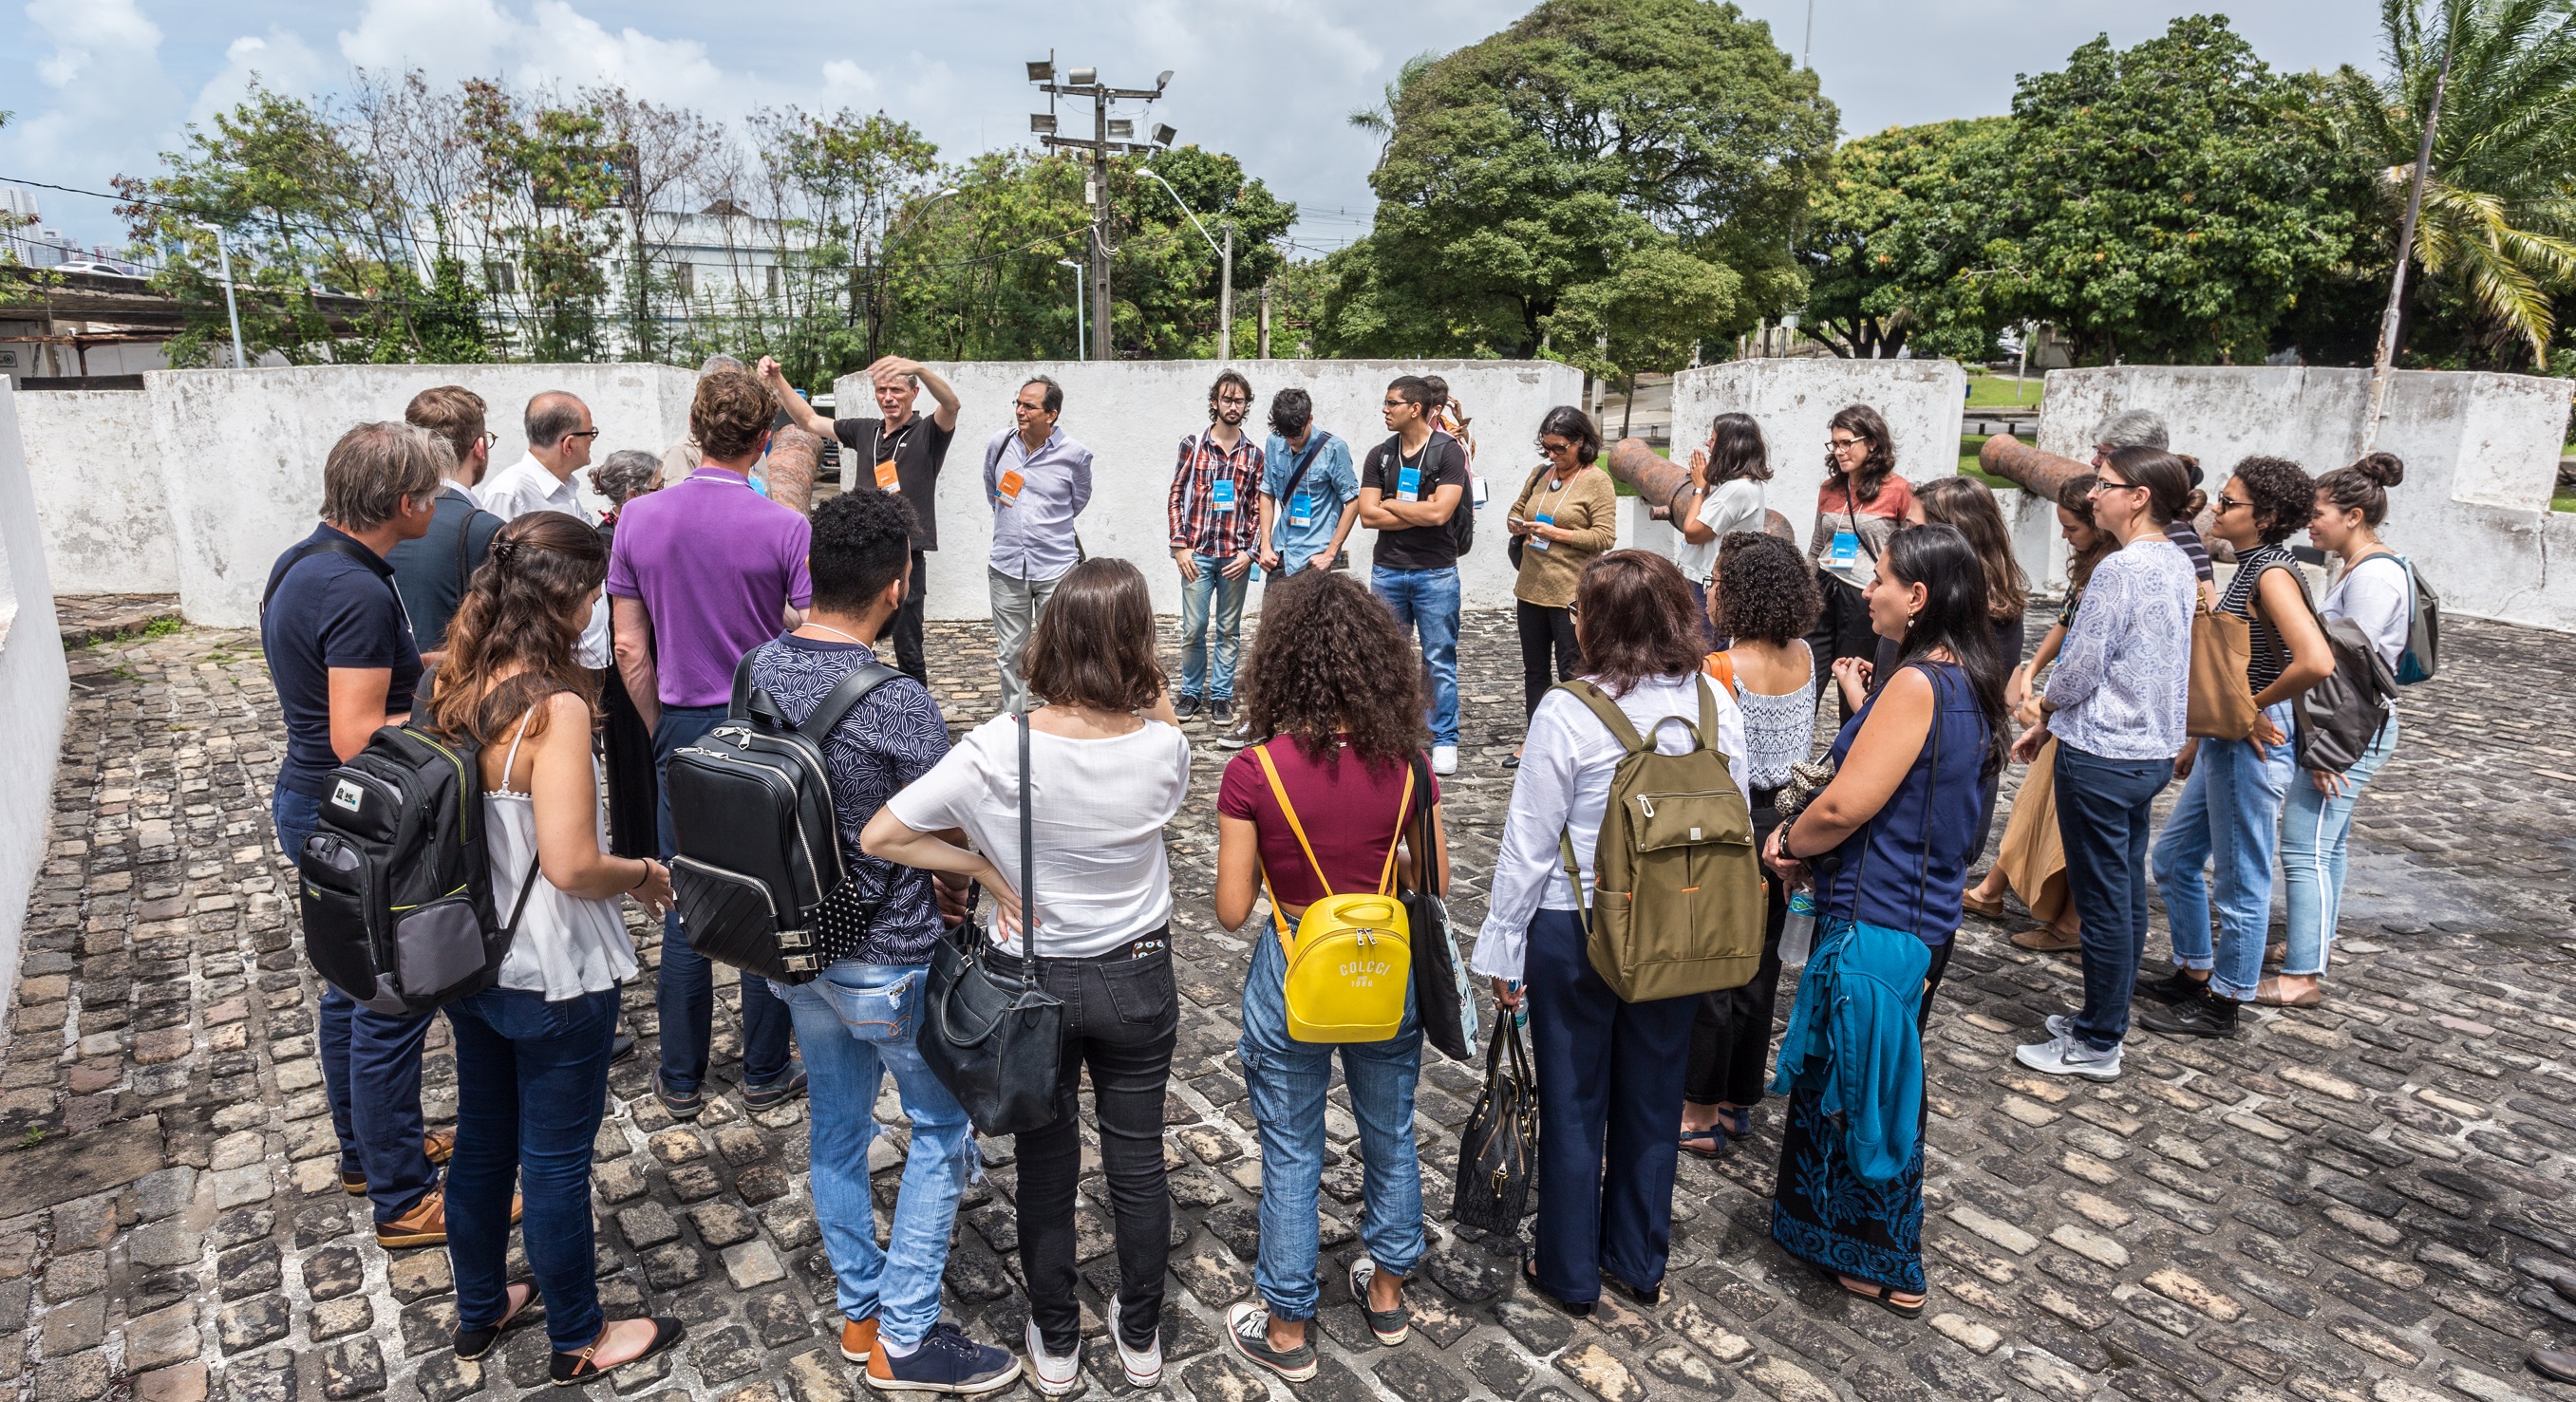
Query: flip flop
point(1884, 1296)
point(1706, 1143)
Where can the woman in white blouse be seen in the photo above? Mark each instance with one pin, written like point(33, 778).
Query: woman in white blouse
point(1728, 474)
point(1108, 767)
point(1609, 1073)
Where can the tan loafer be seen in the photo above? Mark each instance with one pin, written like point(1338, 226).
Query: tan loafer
point(2268, 993)
point(1976, 905)
point(2043, 940)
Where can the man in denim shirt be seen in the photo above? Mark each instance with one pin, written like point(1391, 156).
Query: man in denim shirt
point(1305, 518)
point(1037, 480)
point(861, 1018)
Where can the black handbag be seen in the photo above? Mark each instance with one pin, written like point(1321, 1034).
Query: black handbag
point(1442, 998)
point(2338, 719)
point(1498, 1148)
point(996, 1043)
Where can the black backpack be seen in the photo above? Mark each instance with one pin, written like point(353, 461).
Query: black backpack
point(396, 880)
point(759, 843)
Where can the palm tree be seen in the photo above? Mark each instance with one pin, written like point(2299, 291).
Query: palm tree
point(1379, 121)
point(2499, 214)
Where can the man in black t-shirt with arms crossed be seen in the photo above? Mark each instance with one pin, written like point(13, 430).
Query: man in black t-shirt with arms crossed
point(1415, 483)
point(900, 452)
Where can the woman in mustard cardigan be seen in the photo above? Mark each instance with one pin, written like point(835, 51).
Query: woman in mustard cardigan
point(1564, 518)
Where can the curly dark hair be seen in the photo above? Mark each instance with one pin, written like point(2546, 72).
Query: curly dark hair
point(1329, 661)
point(2281, 493)
point(1766, 590)
point(862, 541)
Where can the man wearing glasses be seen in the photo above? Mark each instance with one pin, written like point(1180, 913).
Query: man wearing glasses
point(1410, 490)
point(559, 438)
point(430, 573)
point(1215, 524)
point(1037, 480)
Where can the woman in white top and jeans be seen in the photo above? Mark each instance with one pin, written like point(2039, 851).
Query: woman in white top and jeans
point(532, 1052)
point(1728, 475)
point(1108, 767)
point(1609, 1073)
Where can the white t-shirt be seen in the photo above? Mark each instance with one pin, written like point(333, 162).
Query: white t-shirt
point(529, 485)
point(1103, 878)
point(2376, 595)
point(1729, 506)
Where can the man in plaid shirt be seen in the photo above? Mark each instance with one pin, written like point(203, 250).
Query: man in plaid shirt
point(1216, 534)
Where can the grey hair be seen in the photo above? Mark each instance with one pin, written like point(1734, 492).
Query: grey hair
point(2133, 428)
point(375, 467)
point(551, 415)
point(627, 474)
point(721, 361)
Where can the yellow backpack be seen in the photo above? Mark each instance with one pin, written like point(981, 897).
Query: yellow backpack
point(1351, 961)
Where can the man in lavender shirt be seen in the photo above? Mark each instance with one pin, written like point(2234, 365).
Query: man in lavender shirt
point(1036, 480)
point(701, 573)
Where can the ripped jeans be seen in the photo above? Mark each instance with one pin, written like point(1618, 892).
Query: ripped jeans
point(853, 1022)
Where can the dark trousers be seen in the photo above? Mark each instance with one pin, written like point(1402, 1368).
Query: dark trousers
point(531, 1088)
point(1121, 1018)
point(684, 995)
point(626, 757)
point(906, 627)
point(1546, 633)
point(1731, 1030)
point(1610, 1096)
point(1842, 630)
point(1709, 641)
point(2103, 821)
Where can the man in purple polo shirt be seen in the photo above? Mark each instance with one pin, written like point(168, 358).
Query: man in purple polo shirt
point(701, 573)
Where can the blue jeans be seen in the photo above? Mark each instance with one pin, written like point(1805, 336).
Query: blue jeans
point(2230, 811)
point(2105, 808)
point(854, 1022)
point(531, 1088)
point(1426, 601)
point(370, 1065)
point(2314, 829)
point(1287, 1080)
point(1610, 1080)
point(1196, 595)
point(684, 994)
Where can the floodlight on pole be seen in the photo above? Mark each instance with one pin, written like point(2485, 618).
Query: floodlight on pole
point(232, 309)
point(1042, 123)
point(1041, 70)
point(1083, 77)
point(1081, 334)
point(1164, 136)
point(1225, 261)
point(1108, 137)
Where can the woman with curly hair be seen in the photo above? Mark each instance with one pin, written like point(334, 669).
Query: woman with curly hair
point(2230, 807)
point(1862, 503)
point(1323, 805)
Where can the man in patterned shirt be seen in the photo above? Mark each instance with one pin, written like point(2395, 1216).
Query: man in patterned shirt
point(1216, 534)
point(860, 1018)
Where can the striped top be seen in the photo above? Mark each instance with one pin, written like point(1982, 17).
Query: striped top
point(2267, 658)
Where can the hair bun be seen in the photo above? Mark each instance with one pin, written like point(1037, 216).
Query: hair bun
point(504, 551)
point(2191, 468)
point(2386, 469)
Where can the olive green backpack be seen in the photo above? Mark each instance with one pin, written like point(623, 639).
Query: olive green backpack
point(1677, 900)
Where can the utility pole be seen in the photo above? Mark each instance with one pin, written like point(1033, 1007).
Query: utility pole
point(2405, 251)
point(232, 308)
point(1225, 298)
point(1109, 136)
point(1080, 337)
point(1265, 320)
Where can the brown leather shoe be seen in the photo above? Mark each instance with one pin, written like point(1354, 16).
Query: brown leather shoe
point(2044, 940)
point(2552, 1363)
point(2268, 993)
point(1976, 905)
point(859, 1338)
point(424, 1225)
point(437, 1146)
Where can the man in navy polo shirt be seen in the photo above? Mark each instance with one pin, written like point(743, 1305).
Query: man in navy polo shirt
point(341, 653)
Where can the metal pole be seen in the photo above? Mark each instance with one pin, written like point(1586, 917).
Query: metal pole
point(1265, 320)
point(1225, 299)
point(1809, 46)
point(232, 309)
point(1080, 351)
point(2028, 329)
point(2405, 251)
point(1100, 319)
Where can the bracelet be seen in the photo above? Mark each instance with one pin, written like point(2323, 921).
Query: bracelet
point(647, 876)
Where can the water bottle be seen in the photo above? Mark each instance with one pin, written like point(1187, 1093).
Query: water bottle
point(1798, 932)
point(1520, 1011)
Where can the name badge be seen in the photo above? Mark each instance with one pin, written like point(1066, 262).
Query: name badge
point(1544, 518)
point(1408, 484)
point(1222, 499)
point(885, 477)
point(1846, 551)
point(1301, 510)
point(1007, 491)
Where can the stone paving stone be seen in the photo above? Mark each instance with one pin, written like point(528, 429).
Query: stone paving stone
point(2358, 1201)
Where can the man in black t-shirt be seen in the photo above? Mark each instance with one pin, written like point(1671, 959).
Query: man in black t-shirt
point(899, 452)
point(1411, 489)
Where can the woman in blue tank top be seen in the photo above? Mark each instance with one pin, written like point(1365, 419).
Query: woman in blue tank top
point(1887, 845)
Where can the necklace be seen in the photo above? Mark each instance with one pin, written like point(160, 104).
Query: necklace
point(828, 628)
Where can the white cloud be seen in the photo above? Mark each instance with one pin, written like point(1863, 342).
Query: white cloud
point(86, 31)
point(281, 62)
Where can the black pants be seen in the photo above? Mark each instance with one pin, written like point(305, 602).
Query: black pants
point(906, 626)
point(1544, 631)
point(1842, 630)
point(1731, 1033)
point(626, 757)
point(1121, 1018)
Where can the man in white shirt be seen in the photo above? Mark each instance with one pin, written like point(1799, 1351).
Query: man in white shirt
point(559, 439)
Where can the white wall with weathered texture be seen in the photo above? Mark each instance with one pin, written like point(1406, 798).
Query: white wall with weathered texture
point(1133, 415)
point(2481, 453)
point(35, 691)
point(1794, 400)
point(242, 450)
point(96, 471)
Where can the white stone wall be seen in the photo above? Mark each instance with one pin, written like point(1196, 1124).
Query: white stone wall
point(35, 691)
point(96, 470)
point(1794, 400)
point(1133, 415)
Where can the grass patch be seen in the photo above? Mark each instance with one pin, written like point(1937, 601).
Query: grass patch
point(2564, 501)
point(1996, 392)
point(162, 627)
point(1969, 443)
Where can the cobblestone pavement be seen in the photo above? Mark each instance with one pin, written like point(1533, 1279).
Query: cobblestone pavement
point(2343, 1204)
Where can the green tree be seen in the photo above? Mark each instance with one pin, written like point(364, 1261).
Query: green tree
point(1896, 235)
point(550, 177)
point(2170, 202)
point(1544, 159)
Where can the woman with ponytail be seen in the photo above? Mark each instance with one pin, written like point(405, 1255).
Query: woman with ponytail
point(532, 1051)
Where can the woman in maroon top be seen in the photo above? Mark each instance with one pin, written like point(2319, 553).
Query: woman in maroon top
point(1335, 691)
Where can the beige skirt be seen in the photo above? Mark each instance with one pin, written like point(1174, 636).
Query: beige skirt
point(2031, 857)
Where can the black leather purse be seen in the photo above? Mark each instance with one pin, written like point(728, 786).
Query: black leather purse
point(996, 1043)
point(1498, 1148)
point(1442, 997)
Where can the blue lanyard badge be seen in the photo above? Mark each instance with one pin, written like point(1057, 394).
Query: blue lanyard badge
point(1846, 551)
point(1221, 497)
point(1544, 518)
point(1408, 483)
point(1301, 510)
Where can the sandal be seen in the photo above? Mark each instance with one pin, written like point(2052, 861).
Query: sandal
point(2268, 993)
point(571, 1369)
point(472, 1344)
point(1529, 1277)
point(1884, 1296)
point(1705, 1143)
point(1738, 1122)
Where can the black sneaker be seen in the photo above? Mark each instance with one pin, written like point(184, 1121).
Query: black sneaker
point(2205, 1016)
point(947, 1361)
point(788, 1085)
point(2175, 987)
point(1221, 712)
point(1247, 1327)
point(621, 1046)
point(1185, 708)
point(1393, 1326)
point(680, 1105)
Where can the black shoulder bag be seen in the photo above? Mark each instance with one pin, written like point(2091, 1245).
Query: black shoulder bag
point(1498, 1146)
point(1442, 998)
point(997, 1045)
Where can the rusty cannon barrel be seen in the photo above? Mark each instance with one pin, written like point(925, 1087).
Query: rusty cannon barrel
point(1658, 479)
point(2043, 475)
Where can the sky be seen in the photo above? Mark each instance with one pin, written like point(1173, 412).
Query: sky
point(99, 87)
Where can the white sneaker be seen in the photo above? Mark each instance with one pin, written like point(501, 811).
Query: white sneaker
point(1052, 1377)
point(2067, 1055)
point(1144, 1369)
point(1444, 759)
point(2058, 1024)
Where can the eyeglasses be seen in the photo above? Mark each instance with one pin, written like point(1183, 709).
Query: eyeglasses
point(1393, 402)
point(1554, 449)
point(2227, 503)
point(2105, 484)
point(583, 433)
point(489, 438)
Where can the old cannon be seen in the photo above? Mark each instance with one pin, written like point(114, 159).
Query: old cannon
point(1661, 481)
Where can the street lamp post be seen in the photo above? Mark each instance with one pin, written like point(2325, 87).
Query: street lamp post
point(1079, 335)
point(1103, 143)
point(1225, 262)
point(232, 309)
